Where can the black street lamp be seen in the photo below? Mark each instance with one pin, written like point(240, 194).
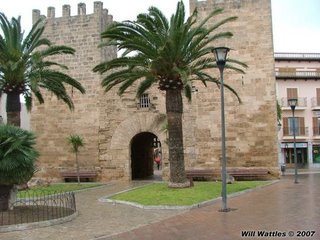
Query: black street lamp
point(220, 54)
point(293, 103)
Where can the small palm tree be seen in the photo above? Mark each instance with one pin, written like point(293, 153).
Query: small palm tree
point(26, 67)
point(170, 53)
point(76, 142)
point(17, 158)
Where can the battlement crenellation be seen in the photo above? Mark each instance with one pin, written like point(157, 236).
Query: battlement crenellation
point(66, 11)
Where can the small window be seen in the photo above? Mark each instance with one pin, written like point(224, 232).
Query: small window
point(293, 121)
point(144, 101)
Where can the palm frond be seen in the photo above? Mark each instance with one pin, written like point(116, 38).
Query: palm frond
point(23, 63)
point(145, 85)
point(17, 155)
point(228, 87)
point(76, 141)
point(174, 49)
point(57, 50)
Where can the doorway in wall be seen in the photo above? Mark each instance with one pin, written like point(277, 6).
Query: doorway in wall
point(145, 147)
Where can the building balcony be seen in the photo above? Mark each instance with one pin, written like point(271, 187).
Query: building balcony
point(315, 103)
point(297, 74)
point(297, 56)
point(301, 104)
point(301, 133)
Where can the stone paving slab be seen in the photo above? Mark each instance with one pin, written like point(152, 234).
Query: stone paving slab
point(96, 219)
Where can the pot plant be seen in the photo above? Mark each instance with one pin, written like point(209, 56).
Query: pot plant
point(17, 160)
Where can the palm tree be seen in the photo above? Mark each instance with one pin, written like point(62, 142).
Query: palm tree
point(171, 54)
point(76, 141)
point(25, 67)
point(17, 159)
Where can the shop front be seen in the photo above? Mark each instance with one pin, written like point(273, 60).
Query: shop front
point(287, 148)
point(316, 154)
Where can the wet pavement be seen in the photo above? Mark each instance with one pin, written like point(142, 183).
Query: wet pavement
point(272, 212)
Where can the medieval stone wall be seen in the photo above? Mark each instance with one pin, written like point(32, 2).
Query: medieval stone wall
point(108, 122)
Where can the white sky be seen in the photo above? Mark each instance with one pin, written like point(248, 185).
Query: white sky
point(296, 23)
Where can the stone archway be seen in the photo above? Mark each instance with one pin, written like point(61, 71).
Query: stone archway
point(142, 154)
point(117, 158)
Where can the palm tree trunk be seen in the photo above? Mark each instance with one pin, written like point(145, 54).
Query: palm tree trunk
point(5, 196)
point(78, 168)
point(13, 108)
point(174, 108)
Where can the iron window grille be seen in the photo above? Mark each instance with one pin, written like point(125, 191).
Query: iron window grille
point(144, 101)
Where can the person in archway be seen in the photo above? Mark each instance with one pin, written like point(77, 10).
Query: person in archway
point(157, 159)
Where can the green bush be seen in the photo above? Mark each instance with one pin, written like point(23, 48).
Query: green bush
point(17, 155)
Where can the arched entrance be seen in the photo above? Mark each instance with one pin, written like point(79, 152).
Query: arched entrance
point(143, 148)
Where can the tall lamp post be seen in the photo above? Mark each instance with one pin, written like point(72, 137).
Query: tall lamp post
point(220, 54)
point(293, 103)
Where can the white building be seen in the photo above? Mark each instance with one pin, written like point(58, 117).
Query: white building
point(297, 76)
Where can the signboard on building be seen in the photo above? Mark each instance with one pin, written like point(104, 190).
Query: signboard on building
point(291, 145)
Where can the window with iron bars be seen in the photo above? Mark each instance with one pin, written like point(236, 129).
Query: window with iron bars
point(144, 101)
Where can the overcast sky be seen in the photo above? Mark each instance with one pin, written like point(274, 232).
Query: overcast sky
point(296, 23)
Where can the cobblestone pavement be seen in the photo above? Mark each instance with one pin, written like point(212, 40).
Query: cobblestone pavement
point(96, 219)
point(276, 209)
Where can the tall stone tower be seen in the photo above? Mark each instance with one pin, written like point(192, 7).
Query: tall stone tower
point(121, 133)
point(53, 122)
point(251, 129)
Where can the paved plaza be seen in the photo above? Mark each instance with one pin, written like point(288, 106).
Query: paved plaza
point(272, 212)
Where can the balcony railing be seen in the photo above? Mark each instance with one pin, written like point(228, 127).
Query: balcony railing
point(316, 132)
point(297, 56)
point(300, 131)
point(302, 102)
point(297, 74)
point(315, 102)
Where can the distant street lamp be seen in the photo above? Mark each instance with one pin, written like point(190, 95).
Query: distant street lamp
point(220, 54)
point(293, 103)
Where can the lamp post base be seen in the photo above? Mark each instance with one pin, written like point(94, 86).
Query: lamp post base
point(227, 209)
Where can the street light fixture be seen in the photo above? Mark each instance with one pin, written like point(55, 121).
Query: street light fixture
point(293, 103)
point(220, 54)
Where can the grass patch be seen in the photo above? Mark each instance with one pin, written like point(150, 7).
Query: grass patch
point(58, 187)
point(160, 194)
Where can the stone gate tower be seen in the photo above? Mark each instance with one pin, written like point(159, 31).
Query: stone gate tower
point(251, 129)
point(53, 122)
point(121, 132)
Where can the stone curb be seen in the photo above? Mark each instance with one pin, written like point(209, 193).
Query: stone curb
point(93, 188)
point(183, 207)
point(28, 226)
